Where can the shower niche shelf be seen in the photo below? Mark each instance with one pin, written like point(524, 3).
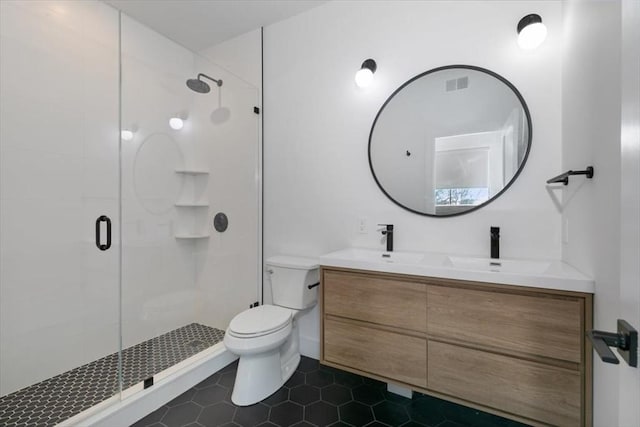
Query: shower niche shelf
point(192, 236)
point(192, 204)
point(192, 171)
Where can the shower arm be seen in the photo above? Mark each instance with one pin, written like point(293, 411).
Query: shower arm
point(218, 82)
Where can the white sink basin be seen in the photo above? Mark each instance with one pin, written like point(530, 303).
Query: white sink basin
point(498, 265)
point(380, 256)
point(532, 273)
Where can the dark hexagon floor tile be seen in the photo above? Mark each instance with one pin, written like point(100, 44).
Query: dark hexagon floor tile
point(217, 414)
point(390, 413)
point(153, 417)
point(319, 378)
point(250, 416)
point(336, 394)
point(210, 395)
point(330, 369)
point(227, 379)
point(374, 383)
point(321, 413)
point(355, 413)
point(296, 379)
point(182, 414)
point(304, 394)
point(469, 416)
point(307, 364)
point(453, 424)
point(457, 413)
point(286, 414)
point(184, 397)
point(213, 379)
point(346, 399)
point(347, 379)
point(425, 411)
point(278, 397)
point(367, 394)
point(395, 398)
point(231, 367)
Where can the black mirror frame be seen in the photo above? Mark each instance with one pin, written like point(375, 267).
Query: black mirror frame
point(447, 67)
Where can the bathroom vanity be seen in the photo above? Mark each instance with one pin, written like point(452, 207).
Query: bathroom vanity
point(498, 343)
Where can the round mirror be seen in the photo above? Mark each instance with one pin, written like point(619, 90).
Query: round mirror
point(450, 140)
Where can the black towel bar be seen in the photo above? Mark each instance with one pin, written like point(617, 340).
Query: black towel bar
point(564, 178)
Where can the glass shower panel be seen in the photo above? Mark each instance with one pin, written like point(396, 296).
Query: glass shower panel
point(188, 156)
point(59, 155)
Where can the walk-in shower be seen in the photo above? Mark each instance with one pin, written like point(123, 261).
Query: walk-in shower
point(82, 322)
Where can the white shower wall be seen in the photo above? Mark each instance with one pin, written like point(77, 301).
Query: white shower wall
point(168, 282)
point(59, 172)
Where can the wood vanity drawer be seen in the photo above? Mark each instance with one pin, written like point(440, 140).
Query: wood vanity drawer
point(541, 324)
point(375, 299)
point(380, 352)
point(544, 393)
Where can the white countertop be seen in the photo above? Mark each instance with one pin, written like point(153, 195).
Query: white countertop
point(553, 274)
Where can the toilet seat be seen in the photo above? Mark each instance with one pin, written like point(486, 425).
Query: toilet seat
point(259, 321)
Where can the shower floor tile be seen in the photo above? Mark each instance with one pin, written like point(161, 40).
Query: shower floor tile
point(318, 396)
point(56, 399)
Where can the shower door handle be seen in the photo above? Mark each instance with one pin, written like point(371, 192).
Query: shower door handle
point(99, 244)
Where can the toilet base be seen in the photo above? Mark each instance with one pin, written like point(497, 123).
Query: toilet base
point(260, 375)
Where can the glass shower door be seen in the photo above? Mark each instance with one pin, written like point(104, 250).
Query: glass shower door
point(59, 188)
point(189, 155)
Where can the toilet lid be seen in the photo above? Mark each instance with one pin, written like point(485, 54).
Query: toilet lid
point(260, 320)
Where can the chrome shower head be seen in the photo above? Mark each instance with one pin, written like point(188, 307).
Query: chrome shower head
point(199, 86)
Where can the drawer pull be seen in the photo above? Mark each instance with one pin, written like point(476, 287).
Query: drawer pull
point(313, 286)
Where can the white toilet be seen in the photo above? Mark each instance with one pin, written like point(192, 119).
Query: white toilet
point(266, 337)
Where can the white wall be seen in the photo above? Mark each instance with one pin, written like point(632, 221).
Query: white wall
point(591, 136)
point(59, 172)
point(317, 178)
point(630, 201)
point(241, 56)
point(228, 263)
point(158, 271)
point(241, 59)
point(169, 282)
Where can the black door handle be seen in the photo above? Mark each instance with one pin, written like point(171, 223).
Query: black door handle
point(625, 340)
point(103, 247)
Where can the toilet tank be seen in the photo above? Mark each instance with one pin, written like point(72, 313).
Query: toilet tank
point(290, 280)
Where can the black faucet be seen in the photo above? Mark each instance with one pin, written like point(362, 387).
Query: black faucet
point(388, 231)
point(495, 242)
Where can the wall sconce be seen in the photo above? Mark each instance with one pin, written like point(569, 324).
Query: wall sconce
point(531, 32)
point(176, 123)
point(364, 76)
point(126, 135)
